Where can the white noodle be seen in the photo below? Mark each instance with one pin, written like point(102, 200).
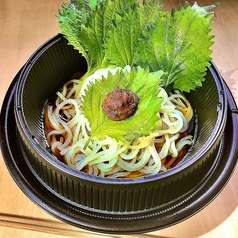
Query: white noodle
point(104, 156)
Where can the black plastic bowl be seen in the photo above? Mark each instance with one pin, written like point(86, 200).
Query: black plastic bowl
point(52, 66)
point(113, 200)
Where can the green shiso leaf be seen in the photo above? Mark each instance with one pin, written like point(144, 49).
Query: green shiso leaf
point(142, 123)
point(126, 30)
point(179, 44)
point(86, 25)
point(122, 39)
point(170, 49)
point(121, 32)
point(70, 18)
point(106, 32)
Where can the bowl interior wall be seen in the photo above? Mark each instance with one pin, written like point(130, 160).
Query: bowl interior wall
point(54, 66)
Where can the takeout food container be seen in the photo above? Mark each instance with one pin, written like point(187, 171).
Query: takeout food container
point(107, 205)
